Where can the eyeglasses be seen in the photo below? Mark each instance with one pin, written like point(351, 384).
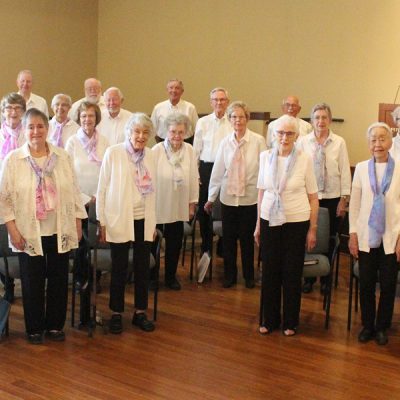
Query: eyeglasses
point(238, 118)
point(219, 100)
point(290, 105)
point(287, 134)
point(13, 108)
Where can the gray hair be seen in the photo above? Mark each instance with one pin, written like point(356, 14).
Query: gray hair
point(178, 119)
point(13, 98)
point(88, 79)
point(219, 89)
point(395, 114)
point(25, 71)
point(382, 125)
point(141, 119)
point(287, 120)
point(63, 96)
point(34, 112)
point(238, 104)
point(176, 80)
point(321, 106)
point(113, 88)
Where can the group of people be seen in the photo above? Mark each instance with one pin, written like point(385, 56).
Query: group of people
point(93, 153)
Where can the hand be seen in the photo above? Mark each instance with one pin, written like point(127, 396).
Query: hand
point(341, 208)
point(257, 234)
point(353, 245)
point(17, 240)
point(93, 199)
point(208, 207)
point(192, 210)
point(398, 249)
point(311, 239)
point(101, 234)
point(79, 228)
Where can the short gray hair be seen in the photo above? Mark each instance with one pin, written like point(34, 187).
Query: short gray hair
point(323, 107)
point(238, 104)
point(178, 119)
point(61, 95)
point(382, 125)
point(114, 88)
point(219, 89)
point(289, 120)
point(176, 80)
point(13, 98)
point(34, 112)
point(141, 119)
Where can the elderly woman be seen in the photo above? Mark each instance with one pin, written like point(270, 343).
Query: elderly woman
point(42, 209)
point(374, 219)
point(286, 225)
point(234, 178)
point(177, 190)
point(61, 128)
point(332, 171)
point(126, 212)
point(395, 149)
point(11, 137)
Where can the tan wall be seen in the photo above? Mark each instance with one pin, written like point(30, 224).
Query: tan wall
point(56, 39)
point(343, 52)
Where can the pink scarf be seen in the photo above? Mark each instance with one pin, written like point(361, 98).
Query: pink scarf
point(56, 136)
point(11, 139)
point(89, 145)
point(237, 170)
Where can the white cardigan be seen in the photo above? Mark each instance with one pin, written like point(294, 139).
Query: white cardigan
point(115, 196)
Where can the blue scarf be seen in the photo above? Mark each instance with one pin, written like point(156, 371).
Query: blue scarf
point(377, 218)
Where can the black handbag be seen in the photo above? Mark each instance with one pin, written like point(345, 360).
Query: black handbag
point(4, 312)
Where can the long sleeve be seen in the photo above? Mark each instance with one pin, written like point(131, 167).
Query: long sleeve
point(194, 179)
point(102, 188)
point(355, 202)
point(217, 174)
point(345, 174)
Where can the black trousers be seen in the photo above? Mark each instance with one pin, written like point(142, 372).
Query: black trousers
point(173, 235)
point(141, 270)
point(44, 308)
point(238, 223)
point(81, 255)
point(370, 264)
point(282, 253)
point(205, 169)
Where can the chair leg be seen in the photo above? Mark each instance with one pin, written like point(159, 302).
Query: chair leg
point(73, 298)
point(350, 304)
point(327, 299)
point(261, 319)
point(192, 253)
point(356, 297)
point(337, 269)
point(183, 250)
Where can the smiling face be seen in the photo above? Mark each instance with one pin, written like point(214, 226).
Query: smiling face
point(291, 106)
point(36, 132)
point(176, 134)
point(238, 121)
point(286, 137)
point(92, 90)
point(113, 102)
point(175, 91)
point(60, 108)
point(219, 103)
point(321, 122)
point(139, 136)
point(379, 144)
point(24, 83)
point(12, 114)
point(87, 121)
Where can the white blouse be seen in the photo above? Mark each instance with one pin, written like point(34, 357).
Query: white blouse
point(172, 203)
point(70, 129)
point(117, 196)
point(18, 199)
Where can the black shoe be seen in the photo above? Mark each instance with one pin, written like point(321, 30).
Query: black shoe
point(250, 283)
point(140, 320)
point(366, 335)
point(116, 324)
point(229, 283)
point(173, 284)
point(307, 287)
point(56, 336)
point(35, 338)
point(381, 338)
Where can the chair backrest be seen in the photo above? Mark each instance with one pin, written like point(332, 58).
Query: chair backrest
point(92, 226)
point(5, 250)
point(323, 233)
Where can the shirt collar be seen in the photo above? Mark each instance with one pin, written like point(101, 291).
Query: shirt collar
point(222, 119)
point(25, 153)
point(246, 136)
point(328, 139)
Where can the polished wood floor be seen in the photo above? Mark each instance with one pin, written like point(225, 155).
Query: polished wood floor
point(206, 346)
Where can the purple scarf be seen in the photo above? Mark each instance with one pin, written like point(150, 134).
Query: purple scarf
point(89, 145)
point(143, 179)
point(11, 139)
point(377, 218)
point(56, 136)
point(46, 192)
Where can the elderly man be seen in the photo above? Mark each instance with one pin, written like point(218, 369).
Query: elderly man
point(173, 105)
point(210, 130)
point(25, 83)
point(290, 106)
point(114, 118)
point(92, 87)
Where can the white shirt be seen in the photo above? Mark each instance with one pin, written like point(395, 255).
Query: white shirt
point(117, 192)
point(361, 204)
point(38, 102)
point(114, 128)
point(254, 145)
point(165, 108)
point(18, 199)
point(69, 129)
point(395, 149)
point(299, 185)
point(304, 128)
point(338, 175)
point(20, 141)
point(73, 112)
point(210, 131)
point(87, 172)
point(172, 203)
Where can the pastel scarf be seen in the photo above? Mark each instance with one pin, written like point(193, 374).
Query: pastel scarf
point(89, 145)
point(277, 213)
point(56, 136)
point(319, 158)
point(143, 179)
point(377, 217)
point(46, 191)
point(175, 158)
point(11, 139)
point(236, 183)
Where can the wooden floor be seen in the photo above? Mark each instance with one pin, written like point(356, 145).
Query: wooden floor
point(206, 346)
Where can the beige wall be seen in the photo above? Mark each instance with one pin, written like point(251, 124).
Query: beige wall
point(56, 39)
point(343, 52)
